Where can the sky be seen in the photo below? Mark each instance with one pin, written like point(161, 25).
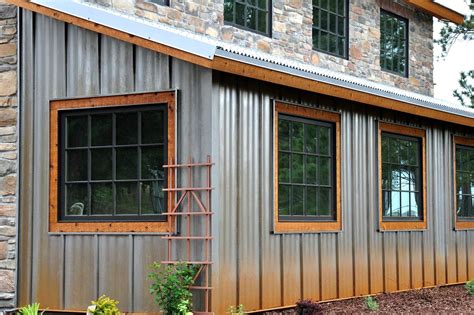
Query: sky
point(460, 58)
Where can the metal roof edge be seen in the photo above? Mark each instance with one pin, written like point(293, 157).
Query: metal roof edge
point(132, 25)
point(354, 83)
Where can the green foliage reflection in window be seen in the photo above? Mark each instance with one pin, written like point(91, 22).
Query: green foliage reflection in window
point(253, 15)
point(330, 26)
point(465, 182)
point(305, 169)
point(393, 43)
point(112, 163)
point(401, 177)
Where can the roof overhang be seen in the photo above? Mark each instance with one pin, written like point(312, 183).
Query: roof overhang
point(438, 10)
point(207, 54)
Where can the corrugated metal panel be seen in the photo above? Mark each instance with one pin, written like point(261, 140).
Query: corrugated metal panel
point(49, 81)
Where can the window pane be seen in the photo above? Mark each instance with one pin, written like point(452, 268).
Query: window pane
point(386, 201)
point(405, 204)
point(324, 171)
point(332, 23)
point(153, 126)
point(311, 138)
point(395, 198)
point(127, 198)
point(341, 7)
point(101, 129)
point(152, 197)
point(311, 205)
point(101, 164)
point(229, 10)
point(127, 128)
point(152, 163)
point(262, 4)
point(251, 18)
point(126, 163)
point(284, 134)
point(414, 202)
point(77, 200)
point(284, 168)
point(324, 143)
point(102, 201)
point(297, 136)
point(325, 201)
point(297, 168)
point(297, 207)
point(311, 170)
point(262, 21)
point(284, 199)
point(76, 165)
point(77, 131)
point(404, 179)
point(393, 43)
point(240, 14)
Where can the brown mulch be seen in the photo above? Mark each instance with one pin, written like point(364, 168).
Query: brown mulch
point(447, 300)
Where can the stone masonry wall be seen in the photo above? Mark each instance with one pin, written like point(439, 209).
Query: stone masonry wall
point(292, 35)
point(8, 152)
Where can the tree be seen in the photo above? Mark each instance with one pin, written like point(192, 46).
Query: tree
point(449, 34)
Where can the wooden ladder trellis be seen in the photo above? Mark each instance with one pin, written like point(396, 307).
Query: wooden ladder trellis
point(184, 208)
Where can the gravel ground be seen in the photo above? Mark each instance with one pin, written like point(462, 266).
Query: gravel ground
point(447, 300)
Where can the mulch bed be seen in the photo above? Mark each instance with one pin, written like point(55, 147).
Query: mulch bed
point(449, 299)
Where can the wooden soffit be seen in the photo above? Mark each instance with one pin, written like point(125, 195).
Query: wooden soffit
point(240, 68)
point(438, 10)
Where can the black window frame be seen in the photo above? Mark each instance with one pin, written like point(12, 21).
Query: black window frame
point(471, 174)
point(244, 27)
point(405, 73)
point(62, 182)
point(346, 30)
point(333, 172)
point(419, 184)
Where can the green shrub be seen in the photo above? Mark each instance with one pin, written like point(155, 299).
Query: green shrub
point(236, 310)
point(371, 303)
point(104, 306)
point(32, 309)
point(470, 287)
point(171, 287)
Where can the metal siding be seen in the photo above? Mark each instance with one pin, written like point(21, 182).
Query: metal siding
point(49, 81)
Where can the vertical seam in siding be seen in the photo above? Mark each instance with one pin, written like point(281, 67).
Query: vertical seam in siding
point(369, 154)
point(397, 255)
point(300, 239)
point(97, 267)
point(260, 202)
point(282, 292)
point(132, 266)
point(320, 269)
point(237, 202)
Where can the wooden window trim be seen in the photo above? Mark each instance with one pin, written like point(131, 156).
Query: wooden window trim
point(412, 132)
point(459, 224)
point(56, 226)
point(308, 226)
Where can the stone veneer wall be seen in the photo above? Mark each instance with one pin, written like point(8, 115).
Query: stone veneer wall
point(292, 35)
point(8, 152)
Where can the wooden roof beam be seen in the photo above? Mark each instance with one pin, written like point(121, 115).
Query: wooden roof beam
point(438, 10)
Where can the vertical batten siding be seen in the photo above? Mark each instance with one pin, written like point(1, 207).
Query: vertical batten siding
point(322, 266)
point(58, 60)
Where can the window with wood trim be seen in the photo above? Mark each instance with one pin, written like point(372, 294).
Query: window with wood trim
point(402, 177)
point(330, 26)
point(464, 182)
point(393, 43)
point(307, 192)
point(107, 157)
point(252, 15)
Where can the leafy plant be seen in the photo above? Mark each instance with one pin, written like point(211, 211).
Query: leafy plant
point(171, 287)
point(236, 310)
point(104, 306)
point(308, 307)
point(371, 303)
point(470, 287)
point(32, 309)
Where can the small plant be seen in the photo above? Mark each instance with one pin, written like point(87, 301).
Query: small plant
point(103, 306)
point(371, 303)
point(308, 307)
point(171, 287)
point(236, 310)
point(470, 287)
point(32, 309)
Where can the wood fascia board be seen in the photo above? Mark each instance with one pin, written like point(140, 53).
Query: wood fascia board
point(251, 71)
point(438, 10)
point(255, 72)
point(120, 35)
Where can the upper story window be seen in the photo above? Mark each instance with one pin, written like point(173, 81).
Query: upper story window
point(402, 177)
point(393, 43)
point(330, 25)
point(307, 159)
point(253, 15)
point(107, 162)
point(464, 182)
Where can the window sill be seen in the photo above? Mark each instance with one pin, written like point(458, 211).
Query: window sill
point(110, 227)
point(464, 225)
point(306, 227)
point(402, 225)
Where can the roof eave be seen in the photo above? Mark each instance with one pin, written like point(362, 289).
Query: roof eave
point(438, 10)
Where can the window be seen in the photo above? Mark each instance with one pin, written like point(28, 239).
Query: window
point(107, 171)
point(161, 2)
point(307, 168)
point(253, 15)
point(330, 26)
point(393, 43)
point(402, 177)
point(464, 182)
